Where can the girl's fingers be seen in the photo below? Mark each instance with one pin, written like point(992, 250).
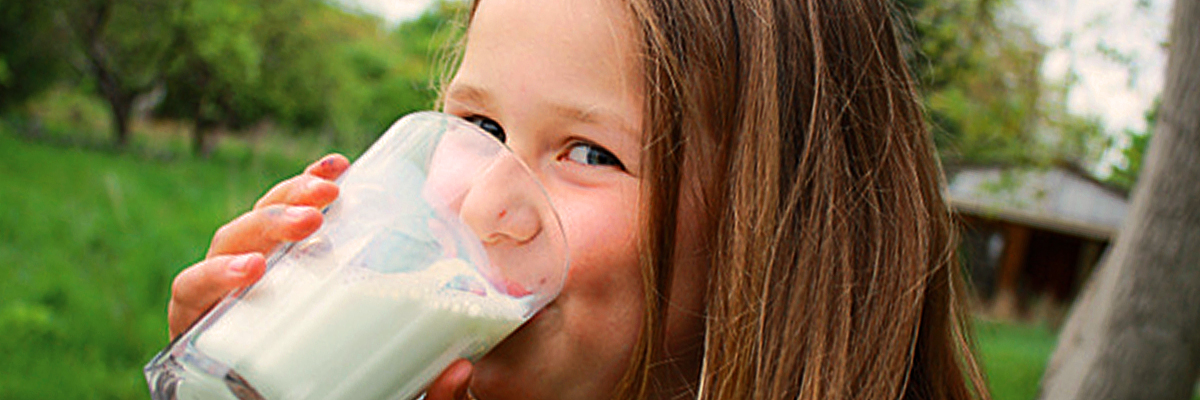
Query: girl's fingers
point(312, 188)
point(303, 190)
point(198, 288)
point(287, 213)
point(261, 230)
point(329, 167)
point(452, 383)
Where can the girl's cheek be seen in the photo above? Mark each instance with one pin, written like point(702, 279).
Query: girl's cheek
point(600, 227)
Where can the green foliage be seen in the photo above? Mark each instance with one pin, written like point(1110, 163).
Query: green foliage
point(218, 74)
point(1125, 173)
point(979, 74)
point(119, 46)
point(390, 74)
point(5, 74)
point(131, 38)
point(240, 61)
point(300, 80)
point(987, 101)
point(299, 63)
point(69, 114)
point(30, 51)
point(305, 66)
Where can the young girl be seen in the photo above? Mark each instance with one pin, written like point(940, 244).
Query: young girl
point(749, 190)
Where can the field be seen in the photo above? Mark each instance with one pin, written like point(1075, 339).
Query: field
point(1013, 357)
point(90, 240)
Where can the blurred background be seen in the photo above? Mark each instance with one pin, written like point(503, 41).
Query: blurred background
point(131, 129)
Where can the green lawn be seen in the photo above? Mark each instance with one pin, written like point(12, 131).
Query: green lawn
point(89, 241)
point(1013, 357)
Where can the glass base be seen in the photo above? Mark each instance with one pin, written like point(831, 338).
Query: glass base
point(185, 376)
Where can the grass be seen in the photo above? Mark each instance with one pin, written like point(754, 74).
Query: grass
point(90, 240)
point(1013, 357)
point(89, 243)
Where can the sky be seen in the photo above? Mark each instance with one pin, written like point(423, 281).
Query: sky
point(1076, 31)
point(1117, 94)
point(1106, 88)
point(392, 11)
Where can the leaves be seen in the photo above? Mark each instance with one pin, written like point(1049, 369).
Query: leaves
point(31, 51)
point(980, 73)
point(306, 66)
point(300, 63)
point(1126, 172)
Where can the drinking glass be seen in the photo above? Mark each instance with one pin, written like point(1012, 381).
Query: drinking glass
point(441, 243)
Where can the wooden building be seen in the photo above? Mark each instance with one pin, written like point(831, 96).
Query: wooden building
point(1030, 237)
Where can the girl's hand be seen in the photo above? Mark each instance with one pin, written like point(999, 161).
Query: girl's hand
point(289, 212)
point(452, 383)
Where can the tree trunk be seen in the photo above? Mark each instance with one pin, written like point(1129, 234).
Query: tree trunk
point(119, 97)
point(203, 129)
point(1135, 331)
point(121, 106)
point(202, 143)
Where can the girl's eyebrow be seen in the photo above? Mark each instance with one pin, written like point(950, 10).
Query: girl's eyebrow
point(594, 115)
point(471, 95)
point(578, 114)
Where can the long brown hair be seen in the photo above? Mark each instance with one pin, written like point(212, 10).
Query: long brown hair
point(831, 248)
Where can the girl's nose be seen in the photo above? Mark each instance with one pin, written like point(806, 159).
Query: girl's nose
point(502, 205)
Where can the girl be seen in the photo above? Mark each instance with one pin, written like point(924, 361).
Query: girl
point(750, 194)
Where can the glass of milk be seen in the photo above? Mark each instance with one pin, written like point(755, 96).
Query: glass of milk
point(441, 243)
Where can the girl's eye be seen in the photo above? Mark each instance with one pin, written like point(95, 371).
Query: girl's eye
point(589, 154)
point(488, 125)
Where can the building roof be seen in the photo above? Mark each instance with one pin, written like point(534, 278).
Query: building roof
point(1060, 199)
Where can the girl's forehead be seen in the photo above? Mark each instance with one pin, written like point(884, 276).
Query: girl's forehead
point(589, 31)
point(579, 54)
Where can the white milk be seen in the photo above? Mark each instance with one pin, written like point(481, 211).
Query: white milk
point(358, 336)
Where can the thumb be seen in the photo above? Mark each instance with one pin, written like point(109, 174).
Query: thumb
point(452, 383)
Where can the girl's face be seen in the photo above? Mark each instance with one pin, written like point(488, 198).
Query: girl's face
point(560, 81)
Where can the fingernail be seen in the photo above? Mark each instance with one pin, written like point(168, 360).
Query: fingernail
point(240, 264)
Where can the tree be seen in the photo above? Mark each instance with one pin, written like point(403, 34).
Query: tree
point(390, 75)
point(980, 76)
point(122, 46)
point(239, 62)
point(1135, 332)
point(215, 57)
